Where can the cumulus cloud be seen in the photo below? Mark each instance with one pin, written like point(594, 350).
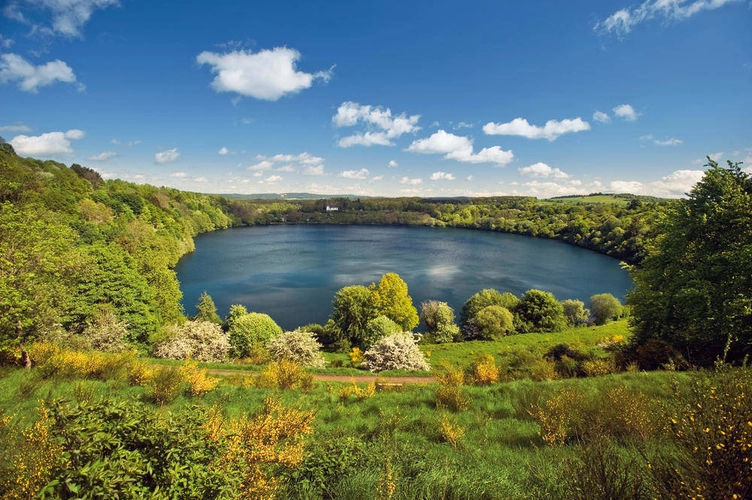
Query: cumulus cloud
point(168, 156)
point(18, 127)
point(30, 78)
point(410, 182)
point(601, 117)
point(551, 130)
point(623, 21)
point(355, 174)
point(626, 111)
point(674, 185)
point(223, 151)
point(127, 144)
point(103, 156)
point(667, 142)
point(442, 176)
point(272, 179)
point(459, 148)
point(266, 75)
point(49, 144)
point(382, 126)
point(542, 170)
point(179, 175)
point(305, 163)
point(68, 16)
point(548, 189)
point(392, 164)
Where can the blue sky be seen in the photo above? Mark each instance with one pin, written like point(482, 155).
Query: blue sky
point(391, 98)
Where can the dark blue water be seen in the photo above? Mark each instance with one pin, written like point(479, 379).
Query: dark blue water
point(293, 272)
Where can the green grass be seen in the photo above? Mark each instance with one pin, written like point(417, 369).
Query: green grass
point(604, 198)
point(583, 338)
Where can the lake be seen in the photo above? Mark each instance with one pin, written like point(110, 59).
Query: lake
point(293, 272)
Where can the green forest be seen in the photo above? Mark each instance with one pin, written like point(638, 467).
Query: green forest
point(109, 388)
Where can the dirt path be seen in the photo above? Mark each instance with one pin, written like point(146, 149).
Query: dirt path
point(339, 378)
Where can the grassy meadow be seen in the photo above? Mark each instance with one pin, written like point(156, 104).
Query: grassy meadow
point(500, 420)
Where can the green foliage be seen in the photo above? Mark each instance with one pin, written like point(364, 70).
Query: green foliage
point(491, 323)
point(236, 311)
point(105, 333)
point(390, 298)
point(575, 312)
point(604, 307)
point(252, 329)
point(695, 290)
point(377, 328)
point(439, 320)
point(352, 309)
point(483, 299)
point(298, 346)
point(539, 311)
point(206, 310)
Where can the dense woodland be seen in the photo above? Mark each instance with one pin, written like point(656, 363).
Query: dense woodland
point(530, 397)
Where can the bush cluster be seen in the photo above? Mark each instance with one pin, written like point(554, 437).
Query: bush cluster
point(199, 340)
point(298, 346)
point(395, 352)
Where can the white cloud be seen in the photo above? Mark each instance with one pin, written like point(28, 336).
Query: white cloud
point(14, 68)
point(469, 178)
point(355, 174)
point(266, 75)
point(411, 182)
point(49, 144)
point(626, 111)
point(272, 179)
point(200, 179)
point(463, 125)
point(601, 117)
point(542, 170)
point(179, 175)
point(674, 185)
point(668, 142)
point(304, 162)
point(549, 189)
point(314, 170)
point(442, 175)
point(551, 130)
point(68, 16)
point(168, 156)
point(127, 144)
point(103, 156)
point(383, 126)
point(623, 21)
point(19, 127)
point(679, 182)
point(377, 178)
point(262, 165)
point(459, 148)
point(223, 151)
point(392, 164)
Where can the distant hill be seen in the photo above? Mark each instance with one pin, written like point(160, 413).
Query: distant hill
point(290, 196)
point(621, 199)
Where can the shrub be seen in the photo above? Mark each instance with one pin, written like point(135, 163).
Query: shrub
point(539, 311)
point(199, 340)
point(484, 370)
point(491, 323)
point(483, 299)
point(575, 312)
point(597, 367)
point(298, 346)
point(167, 383)
point(354, 390)
point(252, 329)
point(106, 333)
point(395, 352)
point(199, 382)
point(285, 374)
point(604, 307)
point(450, 431)
point(439, 320)
point(450, 394)
point(378, 328)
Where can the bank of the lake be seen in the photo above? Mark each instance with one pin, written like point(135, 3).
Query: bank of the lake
point(292, 272)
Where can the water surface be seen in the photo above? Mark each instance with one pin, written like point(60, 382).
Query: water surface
point(293, 272)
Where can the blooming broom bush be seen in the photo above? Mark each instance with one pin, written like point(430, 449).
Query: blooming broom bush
point(395, 352)
point(298, 346)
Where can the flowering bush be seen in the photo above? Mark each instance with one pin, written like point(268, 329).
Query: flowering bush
point(298, 346)
point(395, 352)
point(106, 333)
point(199, 340)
